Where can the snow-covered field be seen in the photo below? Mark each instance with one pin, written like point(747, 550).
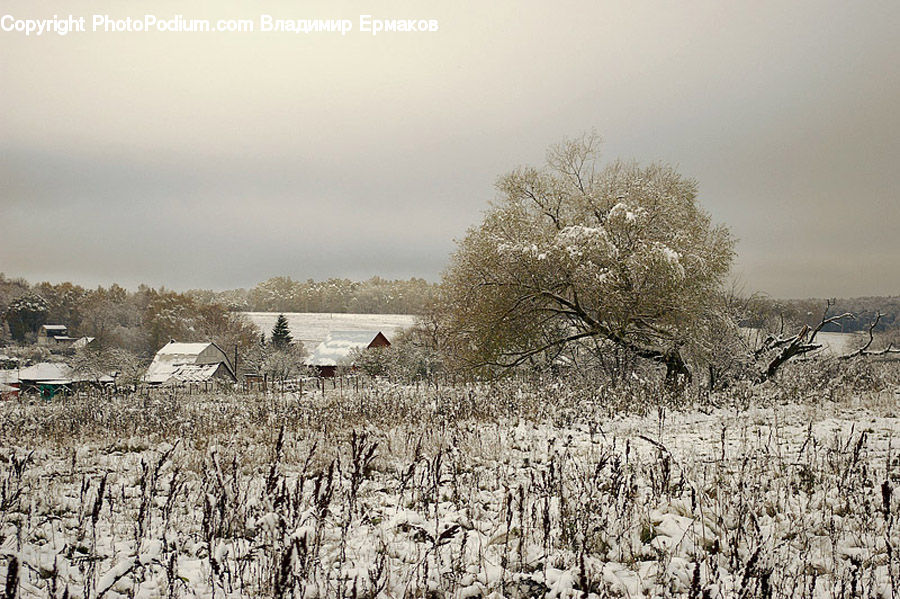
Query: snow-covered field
point(312, 327)
point(466, 491)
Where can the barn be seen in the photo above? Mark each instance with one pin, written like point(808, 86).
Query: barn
point(189, 363)
point(336, 348)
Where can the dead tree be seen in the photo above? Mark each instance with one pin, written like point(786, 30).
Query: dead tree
point(804, 342)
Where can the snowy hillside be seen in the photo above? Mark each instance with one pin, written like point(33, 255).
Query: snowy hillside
point(311, 327)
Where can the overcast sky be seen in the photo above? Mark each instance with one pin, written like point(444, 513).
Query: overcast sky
point(218, 160)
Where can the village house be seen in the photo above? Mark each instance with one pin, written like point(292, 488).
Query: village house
point(49, 379)
point(46, 378)
point(335, 349)
point(54, 336)
point(189, 363)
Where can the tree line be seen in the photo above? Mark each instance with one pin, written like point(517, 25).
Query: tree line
point(138, 321)
point(284, 294)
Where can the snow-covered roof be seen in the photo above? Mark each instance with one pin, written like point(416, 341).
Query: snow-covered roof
point(47, 372)
point(337, 346)
point(169, 362)
point(82, 342)
point(193, 373)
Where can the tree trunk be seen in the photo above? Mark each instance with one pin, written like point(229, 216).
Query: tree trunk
point(678, 375)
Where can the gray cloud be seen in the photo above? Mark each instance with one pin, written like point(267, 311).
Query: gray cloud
point(221, 160)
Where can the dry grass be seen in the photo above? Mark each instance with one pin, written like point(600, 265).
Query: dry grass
point(516, 489)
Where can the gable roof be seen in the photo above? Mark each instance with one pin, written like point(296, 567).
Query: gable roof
point(337, 346)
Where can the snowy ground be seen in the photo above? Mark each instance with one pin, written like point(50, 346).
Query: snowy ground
point(449, 492)
point(311, 328)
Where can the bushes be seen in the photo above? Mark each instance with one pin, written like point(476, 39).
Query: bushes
point(834, 380)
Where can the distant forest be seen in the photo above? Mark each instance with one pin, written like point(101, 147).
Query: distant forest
point(283, 294)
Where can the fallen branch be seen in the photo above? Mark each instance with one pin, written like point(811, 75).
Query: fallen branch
point(865, 351)
point(797, 345)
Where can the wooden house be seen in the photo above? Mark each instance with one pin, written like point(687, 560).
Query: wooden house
point(54, 336)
